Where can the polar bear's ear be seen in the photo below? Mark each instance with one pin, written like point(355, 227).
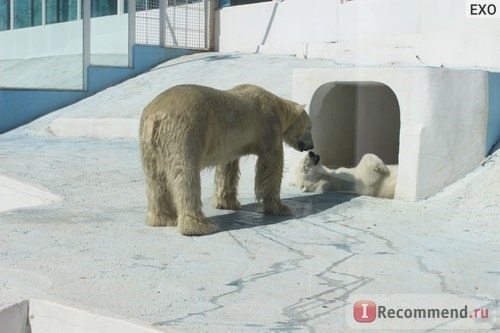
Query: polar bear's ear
point(300, 107)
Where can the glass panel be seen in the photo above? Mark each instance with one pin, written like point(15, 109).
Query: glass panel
point(4, 15)
point(61, 11)
point(109, 35)
point(42, 57)
point(27, 13)
point(103, 8)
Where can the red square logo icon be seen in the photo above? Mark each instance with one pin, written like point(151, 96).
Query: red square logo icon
point(365, 311)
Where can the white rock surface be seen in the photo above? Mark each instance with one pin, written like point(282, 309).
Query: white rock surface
point(15, 194)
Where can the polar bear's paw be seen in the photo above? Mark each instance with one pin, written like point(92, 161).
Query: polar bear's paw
point(164, 221)
point(277, 209)
point(371, 162)
point(227, 204)
point(196, 225)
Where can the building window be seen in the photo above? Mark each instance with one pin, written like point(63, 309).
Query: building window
point(27, 13)
point(103, 8)
point(61, 10)
point(4, 15)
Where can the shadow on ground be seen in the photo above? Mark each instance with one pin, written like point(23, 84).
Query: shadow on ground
point(251, 215)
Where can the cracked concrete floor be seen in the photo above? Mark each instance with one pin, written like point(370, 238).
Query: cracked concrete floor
point(259, 274)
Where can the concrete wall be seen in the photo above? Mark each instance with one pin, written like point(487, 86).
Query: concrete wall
point(374, 18)
point(363, 32)
point(283, 25)
point(333, 116)
point(493, 131)
point(377, 122)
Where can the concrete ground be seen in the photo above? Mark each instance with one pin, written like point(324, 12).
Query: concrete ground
point(92, 250)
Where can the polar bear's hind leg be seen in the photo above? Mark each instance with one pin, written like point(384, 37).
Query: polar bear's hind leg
point(226, 186)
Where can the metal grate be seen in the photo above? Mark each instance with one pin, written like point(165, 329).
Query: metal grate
point(184, 23)
point(187, 24)
point(147, 22)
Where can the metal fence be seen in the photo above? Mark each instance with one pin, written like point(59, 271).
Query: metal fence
point(173, 23)
point(147, 22)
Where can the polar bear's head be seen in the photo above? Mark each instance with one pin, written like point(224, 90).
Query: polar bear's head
point(306, 174)
point(298, 134)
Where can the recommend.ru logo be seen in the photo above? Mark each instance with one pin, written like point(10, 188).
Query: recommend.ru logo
point(364, 311)
point(425, 311)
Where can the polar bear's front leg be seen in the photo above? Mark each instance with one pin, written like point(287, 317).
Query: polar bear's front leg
point(269, 172)
point(226, 186)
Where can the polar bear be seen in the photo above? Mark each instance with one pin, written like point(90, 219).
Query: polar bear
point(370, 177)
point(189, 127)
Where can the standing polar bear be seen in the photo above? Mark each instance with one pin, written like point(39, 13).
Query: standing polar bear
point(189, 127)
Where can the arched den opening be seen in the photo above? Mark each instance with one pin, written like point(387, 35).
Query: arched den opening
point(350, 119)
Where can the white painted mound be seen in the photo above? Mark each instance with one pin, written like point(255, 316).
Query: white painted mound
point(15, 194)
point(39, 316)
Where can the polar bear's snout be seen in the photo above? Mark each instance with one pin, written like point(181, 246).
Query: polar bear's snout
point(305, 141)
point(305, 146)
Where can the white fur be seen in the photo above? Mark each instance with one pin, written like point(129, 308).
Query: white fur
point(188, 128)
point(370, 177)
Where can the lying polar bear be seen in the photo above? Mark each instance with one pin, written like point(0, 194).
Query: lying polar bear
point(370, 177)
